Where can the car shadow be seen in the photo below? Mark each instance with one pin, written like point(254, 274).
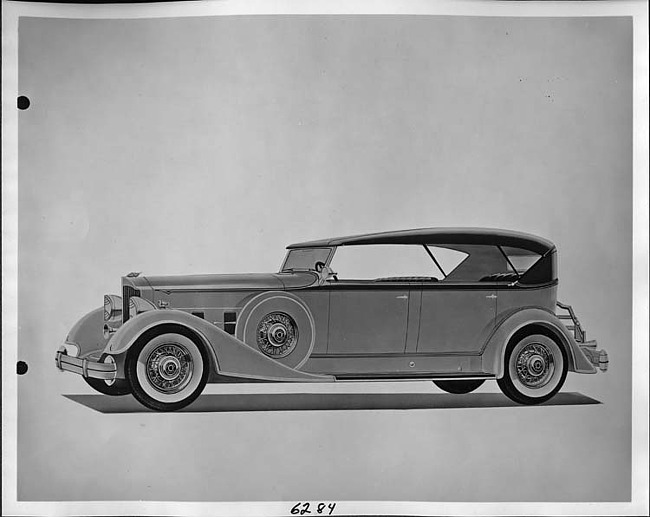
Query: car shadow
point(211, 403)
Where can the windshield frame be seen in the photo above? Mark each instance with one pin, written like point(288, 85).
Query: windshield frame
point(284, 269)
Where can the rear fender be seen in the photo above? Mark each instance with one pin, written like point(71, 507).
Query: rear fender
point(535, 320)
point(229, 356)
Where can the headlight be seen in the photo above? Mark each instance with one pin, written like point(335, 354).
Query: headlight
point(112, 307)
point(139, 305)
point(71, 349)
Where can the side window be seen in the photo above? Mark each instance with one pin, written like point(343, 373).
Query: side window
point(384, 261)
point(522, 260)
point(447, 258)
point(483, 262)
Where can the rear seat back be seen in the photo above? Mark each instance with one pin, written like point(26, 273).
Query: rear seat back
point(501, 277)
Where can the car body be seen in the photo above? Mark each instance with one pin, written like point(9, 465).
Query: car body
point(454, 305)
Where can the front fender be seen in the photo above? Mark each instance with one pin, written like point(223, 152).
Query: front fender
point(493, 356)
point(88, 334)
point(230, 356)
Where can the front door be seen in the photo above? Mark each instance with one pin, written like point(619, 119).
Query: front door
point(456, 320)
point(367, 319)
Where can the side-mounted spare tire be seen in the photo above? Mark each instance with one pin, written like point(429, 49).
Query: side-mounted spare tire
point(280, 326)
point(167, 370)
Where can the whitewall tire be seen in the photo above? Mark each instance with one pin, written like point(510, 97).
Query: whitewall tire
point(534, 370)
point(168, 371)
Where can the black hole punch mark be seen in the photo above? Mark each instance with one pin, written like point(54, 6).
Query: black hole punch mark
point(23, 102)
point(21, 367)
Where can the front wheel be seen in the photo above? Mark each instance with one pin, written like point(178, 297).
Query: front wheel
point(168, 372)
point(459, 387)
point(534, 370)
point(117, 388)
point(114, 388)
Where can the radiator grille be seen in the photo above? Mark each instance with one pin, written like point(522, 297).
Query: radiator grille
point(127, 293)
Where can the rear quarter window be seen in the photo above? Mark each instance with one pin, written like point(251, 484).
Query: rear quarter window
point(521, 260)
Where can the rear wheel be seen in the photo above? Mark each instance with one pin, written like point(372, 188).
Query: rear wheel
point(459, 387)
point(168, 372)
point(534, 370)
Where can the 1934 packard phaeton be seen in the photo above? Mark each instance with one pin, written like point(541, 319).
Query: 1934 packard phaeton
point(455, 306)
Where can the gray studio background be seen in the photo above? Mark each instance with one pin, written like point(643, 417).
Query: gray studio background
point(194, 145)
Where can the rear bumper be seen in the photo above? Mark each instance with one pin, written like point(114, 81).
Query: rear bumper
point(85, 367)
point(597, 357)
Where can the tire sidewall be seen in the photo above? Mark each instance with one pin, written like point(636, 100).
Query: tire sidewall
point(513, 387)
point(142, 388)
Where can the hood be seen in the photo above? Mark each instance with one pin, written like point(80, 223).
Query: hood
point(248, 281)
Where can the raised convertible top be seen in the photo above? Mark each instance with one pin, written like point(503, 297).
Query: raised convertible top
point(439, 236)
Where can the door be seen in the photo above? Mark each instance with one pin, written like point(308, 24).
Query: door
point(456, 320)
point(367, 320)
point(370, 296)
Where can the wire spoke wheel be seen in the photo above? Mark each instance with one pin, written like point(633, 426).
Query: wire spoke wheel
point(167, 371)
point(535, 369)
point(169, 368)
point(277, 335)
point(535, 365)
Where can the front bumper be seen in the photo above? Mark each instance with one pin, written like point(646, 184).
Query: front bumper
point(598, 358)
point(86, 367)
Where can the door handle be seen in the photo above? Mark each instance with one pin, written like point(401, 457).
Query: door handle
point(403, 297)
point(492, 296)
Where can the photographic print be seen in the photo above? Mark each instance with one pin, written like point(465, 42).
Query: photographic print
point(316, 258)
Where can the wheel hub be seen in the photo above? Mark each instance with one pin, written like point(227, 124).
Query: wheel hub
point(277, 335)
point(169, 368)
point(536, 364)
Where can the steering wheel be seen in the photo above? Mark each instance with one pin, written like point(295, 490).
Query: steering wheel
point(319, 266)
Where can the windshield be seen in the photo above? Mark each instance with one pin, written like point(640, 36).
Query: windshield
point(305, 259)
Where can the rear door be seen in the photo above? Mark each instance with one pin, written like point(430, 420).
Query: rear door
point(455, 320)
point(459, 313)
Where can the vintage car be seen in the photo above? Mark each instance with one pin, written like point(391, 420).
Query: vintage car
point(455, 306)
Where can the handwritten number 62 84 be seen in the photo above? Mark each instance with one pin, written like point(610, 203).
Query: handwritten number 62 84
point(303, 508)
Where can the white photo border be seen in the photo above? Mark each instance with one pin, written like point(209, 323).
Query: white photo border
point(12, 11)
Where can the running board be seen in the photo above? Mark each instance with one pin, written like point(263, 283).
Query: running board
point(379, 377)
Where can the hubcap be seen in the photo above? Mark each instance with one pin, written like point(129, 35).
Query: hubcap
point(169, 368)
point(535, 365)
point(277, 335)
